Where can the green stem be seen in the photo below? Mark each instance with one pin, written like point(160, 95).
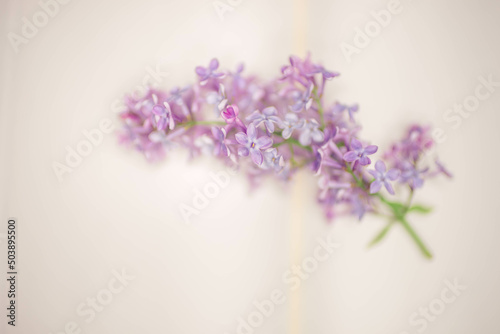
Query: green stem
point(359, 182)
point(193, 123)
point(416, 238)
point(292, 155)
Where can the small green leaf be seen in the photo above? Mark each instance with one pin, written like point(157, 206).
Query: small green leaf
point(420, 209)
point(380, 235)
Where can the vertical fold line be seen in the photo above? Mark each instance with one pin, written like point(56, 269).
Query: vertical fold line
point(299, 30)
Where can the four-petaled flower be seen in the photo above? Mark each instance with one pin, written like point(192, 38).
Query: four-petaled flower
point(338, 108)
point(311, 132)
point(360, 153)
point(303, 100)
point(291, 123)
point(220, 146)
point(382, 177)
point(252, 145)
point(412, 176)
point(162, 116)
point(273, 160)
point(267, 116)
point(205, 73)
point(176, 97)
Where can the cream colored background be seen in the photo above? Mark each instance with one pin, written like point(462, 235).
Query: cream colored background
point(116, 211)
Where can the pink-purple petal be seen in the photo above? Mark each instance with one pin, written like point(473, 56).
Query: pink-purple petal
point(356, 144)
point(364, 161)
point(214, 64)
point(201, 71)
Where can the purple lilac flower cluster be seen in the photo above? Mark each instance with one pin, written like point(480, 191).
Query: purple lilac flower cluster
point(279, 127)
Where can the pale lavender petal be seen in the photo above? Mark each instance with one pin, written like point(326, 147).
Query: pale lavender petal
point(214, 64)
point(318, 136)
point(264, 142)
point(375, 187)
point(269, 126)
point(418, 182)
point(305, 138)
point(287, 132)
point(270, 111)
point(380, 166)
point(393, 174)
point(300, 124)
point(242, 138)
point(389, 187)
point(254, 116)
point(291, 118)
point(201, 71)
point(251, 132)
point(296, 107)
point(158, 110)
point(356, 144)
point(364, 161)
point(274, 119)
point(224, 149)
point(257, 156)
point(371, 149)
point(351, 156)
point(161, 124)
point(217, 133)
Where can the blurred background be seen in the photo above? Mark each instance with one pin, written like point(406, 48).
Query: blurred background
point(105, 250)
